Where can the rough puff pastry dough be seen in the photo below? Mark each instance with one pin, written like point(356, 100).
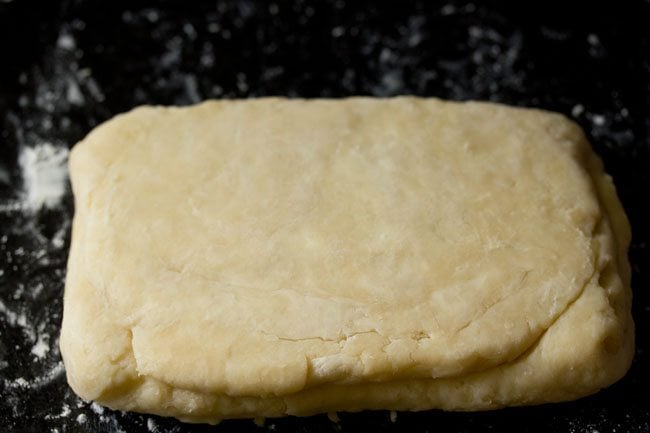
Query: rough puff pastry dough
point(273, 256)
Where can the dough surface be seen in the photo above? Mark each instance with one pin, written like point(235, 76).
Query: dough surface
point(273, 256)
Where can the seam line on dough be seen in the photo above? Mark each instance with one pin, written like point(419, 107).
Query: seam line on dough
point(495, 303)
point(340, 339)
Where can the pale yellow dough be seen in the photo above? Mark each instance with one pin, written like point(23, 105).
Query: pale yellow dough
point(269, 257)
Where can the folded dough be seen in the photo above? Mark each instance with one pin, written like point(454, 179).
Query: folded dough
point(271, 256)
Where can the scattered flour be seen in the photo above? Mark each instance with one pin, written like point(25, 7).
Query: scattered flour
point(598, 119)
point(73, 93)
point(97, 408)
point(42, 346)
point(593, 39)
point(577, 110)
point(65, 412)
point(21, 382)
point(45, 174)
point(19, 320)
point(39, 382)
point(49, 376)
point(338, 31)
point(448, 9)
point(66, 41)
point(58, 240)
point(151, 425)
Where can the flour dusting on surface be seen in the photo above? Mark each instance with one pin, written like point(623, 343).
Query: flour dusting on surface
point(45, 174)
point(49, 376)
point(151, 425)
point(12, 318)
point(35, 220)
point(41, 347)
point(65, 412)
point(99, 410)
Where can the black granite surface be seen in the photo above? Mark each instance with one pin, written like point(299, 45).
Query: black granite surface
point(66, 66)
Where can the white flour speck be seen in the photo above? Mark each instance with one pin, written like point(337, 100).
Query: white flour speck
point(152, 15)
point(598, 119)
point(577, 110)
point(81, 418)
point(21, 382)
point(338, 31)
point(97, 408)
point(272, 73)
point(73, 93)
point(44, 175)
point(48, 377)
point(391, 83)
point(11, 206)
point(448, 10)
point(242, 85)
point(475, 32)
point(414, 39)
point(207, 56)
point(593, 39)
point(18, 293)
point(94, 89)
point(66, 42)
point(393, 416)
point(65, 411)
point(189, 30)
point(38, 288)
point(386, 55)
point(151, 425)
point(192, 88)
point(42, 347)
point(58, 238)
point(127, 16)
point(12, 317)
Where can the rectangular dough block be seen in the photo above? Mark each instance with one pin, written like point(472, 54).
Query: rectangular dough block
point(268, 257)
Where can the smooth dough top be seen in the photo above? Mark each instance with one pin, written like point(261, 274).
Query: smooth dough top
point(264, 247)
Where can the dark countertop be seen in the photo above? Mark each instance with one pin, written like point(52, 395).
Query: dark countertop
point(69, 65)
